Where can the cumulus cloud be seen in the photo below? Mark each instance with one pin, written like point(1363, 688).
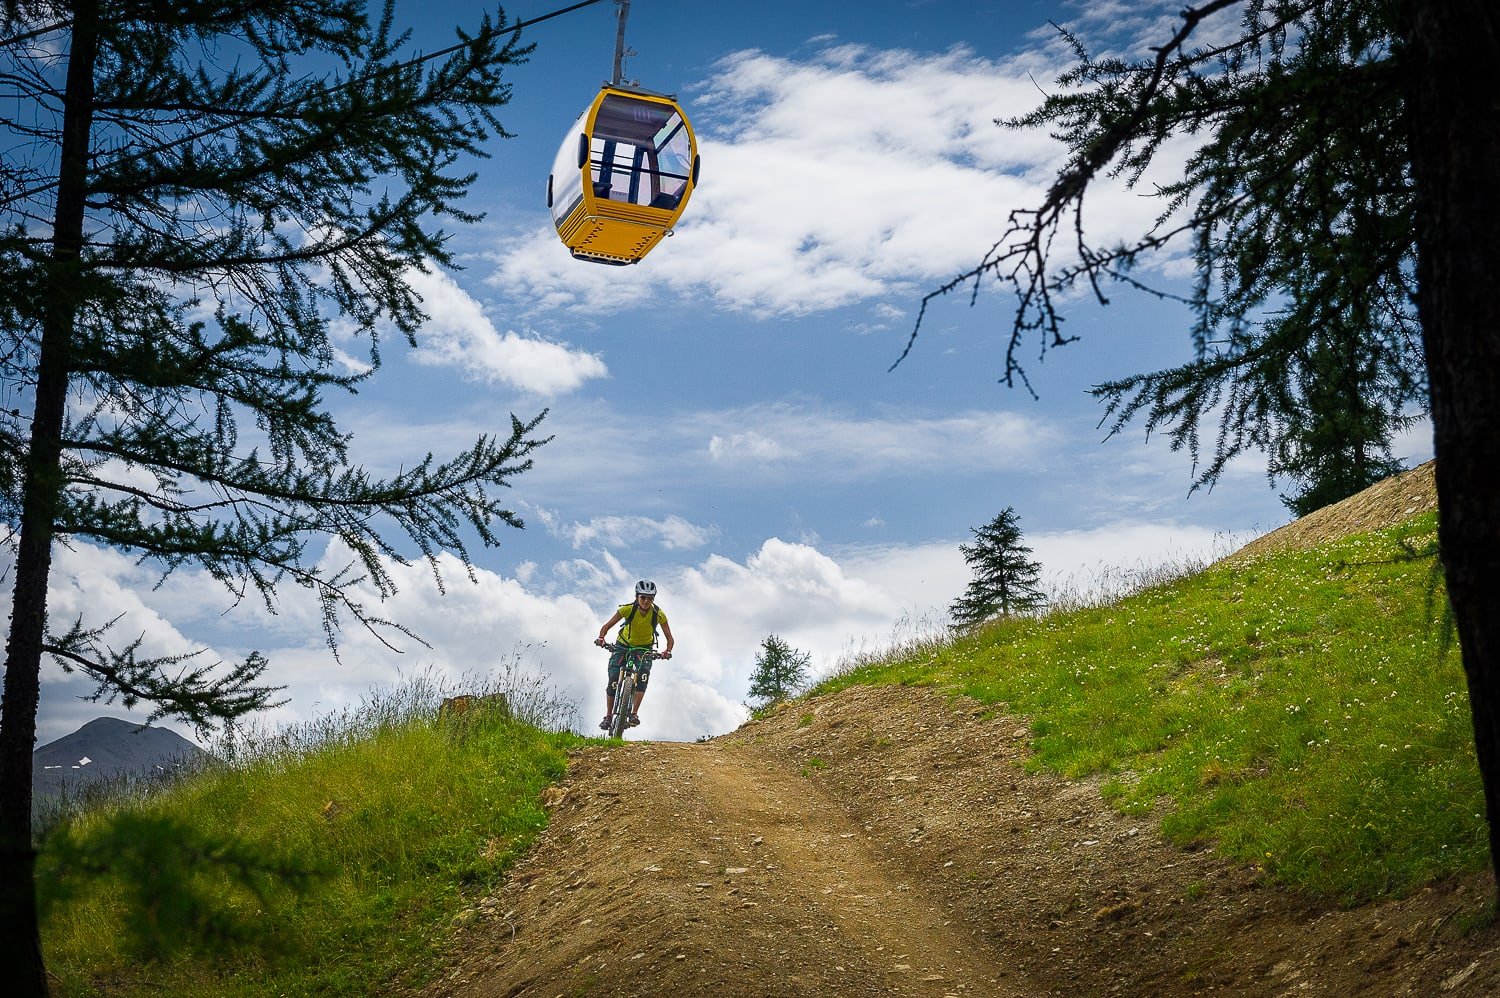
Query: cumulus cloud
point(1413, 444)
point(850, 176)
point(821, 181)
point(841, 178)
point(1103, 560)
point(720, 610)
point(834, 604)
point(460, 335)
point(96, 586)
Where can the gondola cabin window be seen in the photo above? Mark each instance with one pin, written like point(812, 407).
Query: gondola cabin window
point(638, 152)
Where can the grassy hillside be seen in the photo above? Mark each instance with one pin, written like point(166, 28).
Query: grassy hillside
point(1297, 706)
point(326, 860)
point(1302, 710)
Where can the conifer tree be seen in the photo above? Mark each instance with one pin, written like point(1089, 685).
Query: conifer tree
point(1342, 170)
point(193, 194)
point(1342, 443)
point(1006, 581)
point(780, 671)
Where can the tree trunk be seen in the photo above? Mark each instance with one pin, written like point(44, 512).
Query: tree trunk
point(1451, 48)
point(25, 969)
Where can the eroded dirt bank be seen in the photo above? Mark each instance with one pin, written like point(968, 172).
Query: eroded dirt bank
point(890, 841)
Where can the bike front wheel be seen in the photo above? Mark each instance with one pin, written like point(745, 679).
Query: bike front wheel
point(624, 700)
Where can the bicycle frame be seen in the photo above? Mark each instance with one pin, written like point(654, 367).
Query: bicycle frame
point(619, 718)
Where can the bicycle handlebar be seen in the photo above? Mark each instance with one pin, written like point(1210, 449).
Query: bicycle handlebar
point(613, 647)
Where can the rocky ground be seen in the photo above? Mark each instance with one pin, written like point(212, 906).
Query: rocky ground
point(890, 841)
point(1382, 505)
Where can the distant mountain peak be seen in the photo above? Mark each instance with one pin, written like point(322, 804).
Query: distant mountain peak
point(103, 748)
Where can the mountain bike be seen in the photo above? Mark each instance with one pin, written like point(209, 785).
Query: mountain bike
point(619, 719)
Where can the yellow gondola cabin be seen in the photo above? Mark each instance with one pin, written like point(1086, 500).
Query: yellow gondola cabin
point(623, 175)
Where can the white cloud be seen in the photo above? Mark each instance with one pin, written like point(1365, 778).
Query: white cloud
point(1136, 29)
point(832, 605)
point(825, 182)
point(1413, 444)
point(85, 578)
point(745, 446)
point(827, 443)
point(673, 532)
point(459, 335)
point(720, 611)
point(725, 608)
point(766, 445)
point(842, 178)
point(1099, 560)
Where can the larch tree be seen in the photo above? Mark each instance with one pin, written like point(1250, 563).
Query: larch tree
point(193, 193)
point(1006, 581)
point(1342, 443)
point(1343, 170)
point(780, 671)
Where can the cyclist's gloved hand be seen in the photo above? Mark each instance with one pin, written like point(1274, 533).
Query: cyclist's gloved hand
point(665, 654)
point(599, 642)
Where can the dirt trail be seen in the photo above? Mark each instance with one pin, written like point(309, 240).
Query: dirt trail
point(891, 841)
point(807, 858)
point(689, 869)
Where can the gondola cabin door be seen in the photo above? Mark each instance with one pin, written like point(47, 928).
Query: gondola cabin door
point(622, 176)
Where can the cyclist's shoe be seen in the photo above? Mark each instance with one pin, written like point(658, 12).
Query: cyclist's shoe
point(634, 720)
point(604, 724)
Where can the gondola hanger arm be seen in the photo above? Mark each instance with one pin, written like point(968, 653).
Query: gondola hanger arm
point(621, 51)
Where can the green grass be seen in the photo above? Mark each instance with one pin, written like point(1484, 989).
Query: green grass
point(330, 860)
point(1301, 712)
point(811, 766)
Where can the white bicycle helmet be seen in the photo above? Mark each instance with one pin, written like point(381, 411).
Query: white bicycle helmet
point(645, 588)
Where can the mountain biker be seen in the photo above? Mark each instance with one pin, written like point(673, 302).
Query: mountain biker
point(641, 618)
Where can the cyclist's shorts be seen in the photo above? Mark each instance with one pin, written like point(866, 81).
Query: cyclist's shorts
point(617, 660)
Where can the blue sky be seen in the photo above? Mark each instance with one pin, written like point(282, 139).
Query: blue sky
point(723, 418)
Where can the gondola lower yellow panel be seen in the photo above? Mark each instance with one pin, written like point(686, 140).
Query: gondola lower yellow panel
point(622, 176)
